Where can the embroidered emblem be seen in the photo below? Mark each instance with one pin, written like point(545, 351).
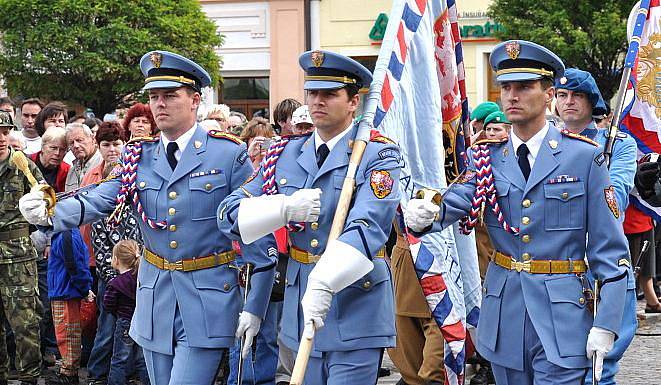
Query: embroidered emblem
point(381, 183)
point(553, 143)
point(513, 49)
point(317, 58)
point(624, 262)
point(609, 193)
point(156, 59)
point(600, 159)
point(390, 153)
point(466, 177)
point(242, 157)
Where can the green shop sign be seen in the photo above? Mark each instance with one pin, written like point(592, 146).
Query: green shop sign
point(467, 31)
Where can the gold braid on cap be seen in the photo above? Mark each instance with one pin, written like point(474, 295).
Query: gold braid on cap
point(341, 79)
point(538, 71)
point(180, 79)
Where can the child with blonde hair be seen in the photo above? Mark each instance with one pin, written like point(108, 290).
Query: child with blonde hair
point(119, 300)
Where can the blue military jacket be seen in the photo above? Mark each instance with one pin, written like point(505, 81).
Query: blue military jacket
point(564, 201)
point(208, 300)
point(362, 315)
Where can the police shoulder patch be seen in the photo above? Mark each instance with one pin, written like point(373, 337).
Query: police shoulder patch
point(224, 135)
point(611, 201)
point(375, 136)
point(579, 137)
point(243, 156)
point(489, 141)
point(381, 183)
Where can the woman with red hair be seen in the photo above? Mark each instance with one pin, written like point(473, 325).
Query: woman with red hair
point(139, 122)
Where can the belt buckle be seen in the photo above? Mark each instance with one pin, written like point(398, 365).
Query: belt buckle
point(520, 266)
point(172, 266)
point(313, 258)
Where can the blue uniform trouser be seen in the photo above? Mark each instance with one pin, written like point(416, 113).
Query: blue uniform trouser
point(625, 336)
point(261, 371)
point(98, 365)
point(187, 366)
point(344, 368)
point(537, 369)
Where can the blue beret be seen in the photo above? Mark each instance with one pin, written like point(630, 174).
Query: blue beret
point(483, 110)
point(325, 70)
point(521, 60)
point(163, 69)
point(582, 81)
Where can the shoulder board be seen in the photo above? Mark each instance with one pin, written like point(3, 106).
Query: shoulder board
point(489, 141)
point(375, 136)
point(297, 136)
point(155, 138)
point(225, 135)
point(579, 137)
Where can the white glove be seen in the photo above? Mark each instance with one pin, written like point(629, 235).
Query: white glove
point(600, 342)
point(249, 326)
point(40, 240)
point(263, 215)
point(33, 207)
point(339, 266)
point(420, 214)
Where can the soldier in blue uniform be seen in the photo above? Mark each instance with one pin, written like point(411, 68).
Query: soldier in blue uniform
point(543, 191)
point(342, 287)
point(578, 100)
point(188, 299)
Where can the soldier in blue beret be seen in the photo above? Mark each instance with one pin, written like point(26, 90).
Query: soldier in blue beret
point(544, 193)
point(341, 288)
point(188, 298)
point(578, 102)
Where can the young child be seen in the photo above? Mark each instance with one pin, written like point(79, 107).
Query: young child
point(119, 300)
point(69, 281)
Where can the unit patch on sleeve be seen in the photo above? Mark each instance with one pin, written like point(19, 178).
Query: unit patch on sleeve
point(381, 183)
point(609, 193)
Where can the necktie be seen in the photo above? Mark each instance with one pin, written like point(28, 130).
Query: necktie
point(170, 150)
point(522, 153)
point(322, 154)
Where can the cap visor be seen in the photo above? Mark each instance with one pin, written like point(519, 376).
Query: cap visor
point(517, 77)
point(322, 85)
point(162, 84)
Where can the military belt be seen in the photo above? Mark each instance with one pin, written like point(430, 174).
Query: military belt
point(303, 256)
point(565, 266)
point(191, 264)
point(10, 235)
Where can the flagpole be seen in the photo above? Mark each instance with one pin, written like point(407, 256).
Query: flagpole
point(629, 62)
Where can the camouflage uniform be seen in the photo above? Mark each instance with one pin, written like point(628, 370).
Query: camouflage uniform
point(18, 275)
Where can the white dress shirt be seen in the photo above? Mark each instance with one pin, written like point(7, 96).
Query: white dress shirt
point(182, 141)
point(533, 143)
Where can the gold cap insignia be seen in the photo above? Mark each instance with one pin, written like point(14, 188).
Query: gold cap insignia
point(553, 143)
point(513, 49)
point(563, 80)
point(156, 59)
point(197, 144)
point(317, 58)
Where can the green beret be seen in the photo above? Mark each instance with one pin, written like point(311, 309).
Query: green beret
point(483, 109)
point(496, 117)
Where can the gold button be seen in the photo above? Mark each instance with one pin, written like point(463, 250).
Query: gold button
point(367, 284)
point(314, 225)
point(173, 228)
point(207, 186)
point(142, 184)
point(226, 286)
point(172, 195)
point(565, 195)
point(173, 244)
point(172, 211)
point(526, 203)
point(525, 220)
point(525, 238)
point(581, 300)
point(283, 181)
point(525, 256)
point(314, 243)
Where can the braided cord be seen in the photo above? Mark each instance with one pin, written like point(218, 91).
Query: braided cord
point(269, 186)
point(485, 193)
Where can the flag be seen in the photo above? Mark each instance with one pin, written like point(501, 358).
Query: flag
point(417, 95)
point(640, 117)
